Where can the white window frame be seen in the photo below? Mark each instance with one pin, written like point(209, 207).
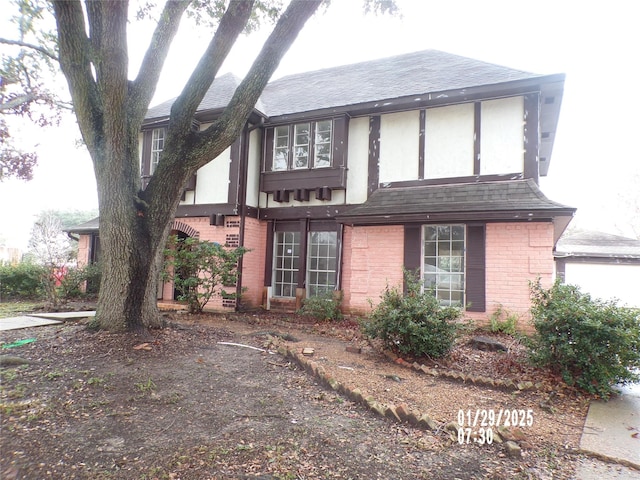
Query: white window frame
point(290, 145)
point(445, 272)
point(322, 262)
point(157, 145)
point(286, 263)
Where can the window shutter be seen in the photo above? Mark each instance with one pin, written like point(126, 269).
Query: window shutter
point(476, 268)
point(412, 247)
point(268, 150)
point(340, 134)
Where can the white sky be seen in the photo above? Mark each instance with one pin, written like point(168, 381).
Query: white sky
point(594, 43)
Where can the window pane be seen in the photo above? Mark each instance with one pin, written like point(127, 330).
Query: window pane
point(302, 157)
point(321, 263)
point(281, 148)
point(285, 273)
point(443, 262)
point(322, 144)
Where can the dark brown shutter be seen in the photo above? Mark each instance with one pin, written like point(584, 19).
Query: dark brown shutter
point(476, 268)
point(340, 134)
point(412, 248)
point(268, 150)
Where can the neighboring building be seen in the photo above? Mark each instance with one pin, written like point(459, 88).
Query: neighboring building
point(603, 265)
point(346, 176)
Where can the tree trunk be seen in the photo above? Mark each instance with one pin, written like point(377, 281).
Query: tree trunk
point(110, 108)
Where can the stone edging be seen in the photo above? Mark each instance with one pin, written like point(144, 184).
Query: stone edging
point(398, 413)
point(508, 383)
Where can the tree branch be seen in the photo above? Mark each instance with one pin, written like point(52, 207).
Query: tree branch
point(231, 26)
point(30, 46)
point(144, 86)
point(76, 65)
point(230, 124)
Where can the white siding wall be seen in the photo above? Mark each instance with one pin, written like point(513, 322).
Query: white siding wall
point(449, 141)
point(212, 185)
point(399, 144)
point(253, 169)
point(358, 160)
point(502, 136)
point(606, 281)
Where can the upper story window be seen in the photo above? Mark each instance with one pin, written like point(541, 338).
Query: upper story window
point(157, 145)
point(302, 146)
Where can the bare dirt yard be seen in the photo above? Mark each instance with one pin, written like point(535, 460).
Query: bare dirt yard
point(189, 404)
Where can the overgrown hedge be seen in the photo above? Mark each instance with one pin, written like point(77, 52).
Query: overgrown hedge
point(31, 281)
point(592, 343)
point(21, 281)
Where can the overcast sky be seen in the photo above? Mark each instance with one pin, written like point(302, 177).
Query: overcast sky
point(595, 44)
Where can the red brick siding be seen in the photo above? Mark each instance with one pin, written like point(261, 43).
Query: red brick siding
point(516, 253)
point(372, 259)
point(255, 239)
point(83, 250)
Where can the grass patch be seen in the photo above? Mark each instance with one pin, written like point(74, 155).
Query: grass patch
point(15, 309)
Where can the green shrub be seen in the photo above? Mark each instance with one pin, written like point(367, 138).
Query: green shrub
point(323, 307)
point(75, 278)
point(501, 321)
point(23, 280)
point(592, 344)
point(414, 323)
point(201, 269)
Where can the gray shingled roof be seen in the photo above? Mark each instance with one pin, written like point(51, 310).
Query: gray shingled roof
point(520, 199)
point(87, 227)
point(417, 73)
point(216, 98)
point(597, 244)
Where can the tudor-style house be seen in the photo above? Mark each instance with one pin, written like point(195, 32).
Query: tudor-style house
point(345, 177)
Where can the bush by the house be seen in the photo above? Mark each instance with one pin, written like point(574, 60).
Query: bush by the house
point(200, 270)
point(593, 344)
point(502, 321)
point(413, 323)
point(22, 280)
point(323, 307)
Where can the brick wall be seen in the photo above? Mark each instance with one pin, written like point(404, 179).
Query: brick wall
point(223, 235)
point(516, 253)
point(255, 239)
point(372, 259)
point(83, 250)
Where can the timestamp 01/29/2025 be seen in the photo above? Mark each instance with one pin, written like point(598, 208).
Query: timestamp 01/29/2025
point(478, 426)
point(495, 418)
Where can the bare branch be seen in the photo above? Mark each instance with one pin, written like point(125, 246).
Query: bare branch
point(231, 122)
point(76, 65)
point(144, 86)
point(30, 46)
point(231, 26)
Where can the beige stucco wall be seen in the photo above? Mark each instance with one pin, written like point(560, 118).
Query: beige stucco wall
point(358, 158)
point(399, 146)
point(501, 140)
point(449, 141)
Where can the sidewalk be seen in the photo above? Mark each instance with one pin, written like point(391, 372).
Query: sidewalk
point(39, 319)
point(612, 432)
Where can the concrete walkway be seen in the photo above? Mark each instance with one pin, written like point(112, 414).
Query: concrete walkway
point(612, 432)
point(39, 319)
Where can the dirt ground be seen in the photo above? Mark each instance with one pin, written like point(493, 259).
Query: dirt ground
point(185, 406)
